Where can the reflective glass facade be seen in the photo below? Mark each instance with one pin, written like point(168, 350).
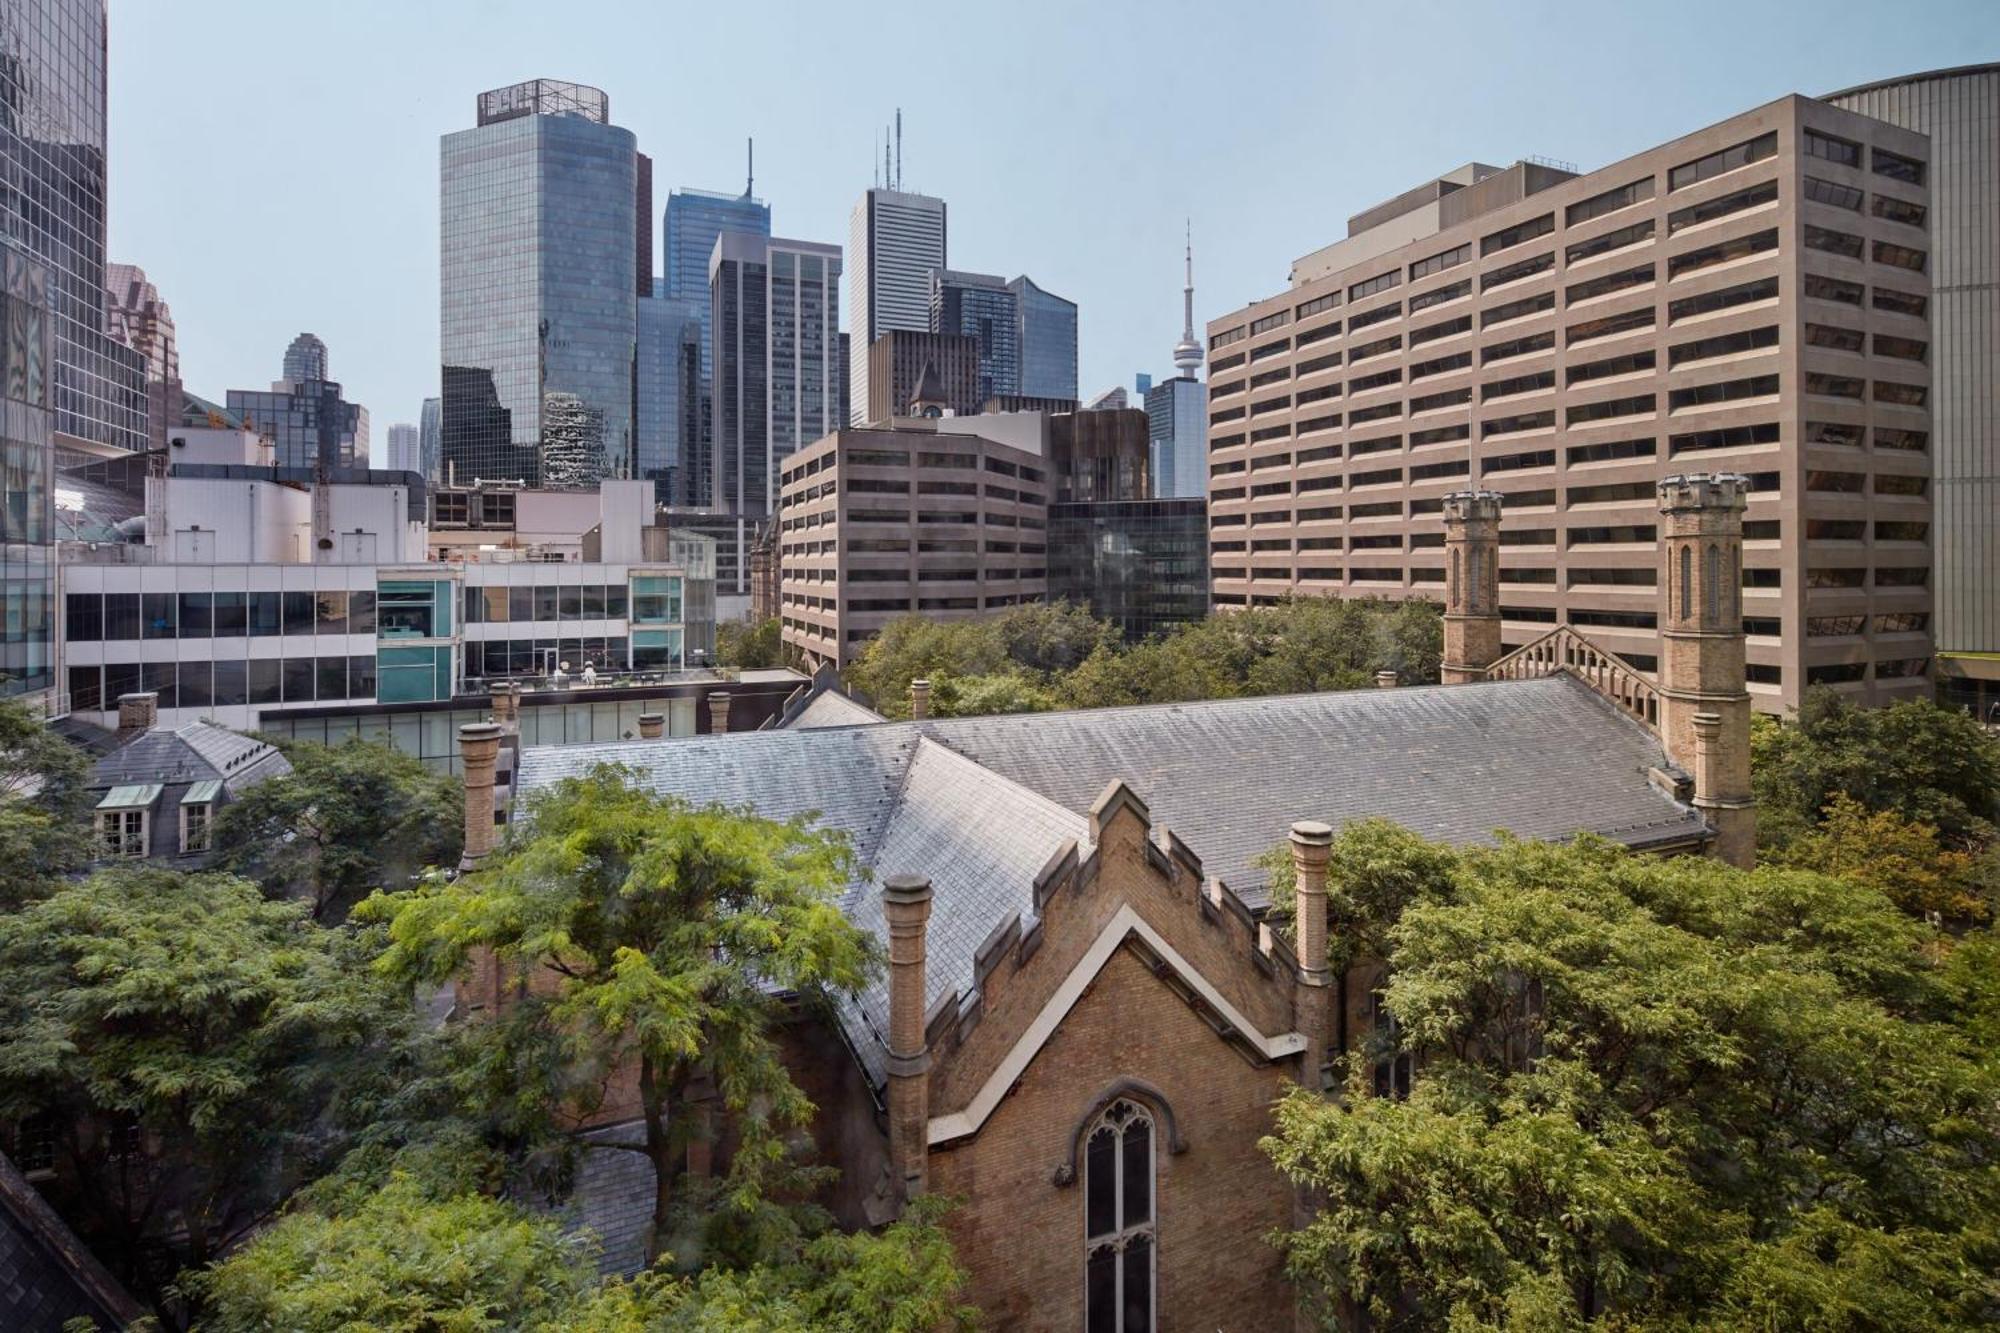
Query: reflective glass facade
point(668, 428)
point(27, 459)
point(694, 219)
point(1142, 564)
point(1177, 431)
point(539, 318)
point(307, 422)
point(52, 97)
point(1048, 341)
point(981, 306)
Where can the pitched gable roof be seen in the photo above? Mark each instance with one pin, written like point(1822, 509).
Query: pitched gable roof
point(198, 752)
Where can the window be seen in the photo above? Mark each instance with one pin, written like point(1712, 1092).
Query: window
point(1447, 329)
point(1765, 289)
point(1833, 194)
point(1534, 382)
point(1270, 349)
point(1328, 330)
point(1519, 422)
point(1534, 342)
point(1723, 252)
point(1629, 364)
point(1610, 450)
point(1228, 336)
point(1370, 286)
point(1727, 437)
point(1609, 283)
point(1897, 167)
point(1898, 210)
point(1833, 386)
point(1276, 319)
point(1438, 263)
point(1609, 241)
point(1904, 349)
point(1609, 325)
point(1394, 1066)
point(1829, 149)
point(1380, 379)
point(1365, 350)
point(1846, 483)
point(1908, 395)
point(1518, 233)
point(1842, 243)
point(1609, 202)
point(1715, 164)
point(1306, 309)
point(121, 834)
point(1903, 622)
point(1439, 295)
point(1833, 336)
point(1915, 441)
point(1613, 407)
point(1702, 395)
point(1708, 210)
point(1500, 314)
point(1749, 340)
point(194, 827)
point(1901, 303)
point(1457, 361)
point(1393, 310)
point(1524, 268)
point(1900, 256)
point(1438, 435)
point(1431, 402)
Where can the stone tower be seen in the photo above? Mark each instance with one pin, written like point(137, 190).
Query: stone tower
point(1704, 705)
point(1472, 585)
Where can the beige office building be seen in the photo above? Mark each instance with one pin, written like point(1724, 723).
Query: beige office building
point(1752, 298)
point(917, 516)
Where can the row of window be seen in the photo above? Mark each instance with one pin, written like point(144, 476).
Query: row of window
point(97, 617)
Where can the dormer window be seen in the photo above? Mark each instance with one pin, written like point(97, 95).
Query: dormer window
point(198, 815)
point(124, 821)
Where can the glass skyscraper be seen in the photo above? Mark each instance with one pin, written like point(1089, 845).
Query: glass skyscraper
point(52, 100)
point(27, 467)
point(982, 306)
point(777, 369)
point(1048, 341)
point(307, 419)
point(539, 274)
point(430, 426)
point(668, 427)
point(694, 219)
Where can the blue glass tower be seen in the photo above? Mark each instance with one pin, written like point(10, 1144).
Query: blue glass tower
point(1047, 341)
point(694, 219)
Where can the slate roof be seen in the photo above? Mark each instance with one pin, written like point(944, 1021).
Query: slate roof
point(197, 752)
point(834, 709)
point(47, 1277)
point(907, 804)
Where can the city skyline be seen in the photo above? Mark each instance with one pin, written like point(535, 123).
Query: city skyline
point(365, 277)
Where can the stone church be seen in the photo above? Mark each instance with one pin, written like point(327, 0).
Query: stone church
point(1085, 1016)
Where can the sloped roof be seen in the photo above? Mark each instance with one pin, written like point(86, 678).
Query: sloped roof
point(47, 1276)
point(197, 752)
point(834, 709)
point(906, 803)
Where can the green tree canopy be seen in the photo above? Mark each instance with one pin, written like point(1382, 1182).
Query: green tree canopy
point(743, 645)
point(1930, 765)
point(348, 819)
point(1650, 1094)
point(185, 1038)
point(44, 805)
point(646, 929)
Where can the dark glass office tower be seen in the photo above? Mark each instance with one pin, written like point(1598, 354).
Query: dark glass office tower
point(52, 98)
point(982, 306)
point(539, 308)
point(668, 425)
point(694, 219)
point(1142, 564)
point(27, 467)
point(304, 413)
point(1047, 340)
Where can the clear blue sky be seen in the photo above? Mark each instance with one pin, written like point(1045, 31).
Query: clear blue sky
point(274, 165)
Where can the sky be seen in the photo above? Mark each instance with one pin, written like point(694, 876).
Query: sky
point(274, 166)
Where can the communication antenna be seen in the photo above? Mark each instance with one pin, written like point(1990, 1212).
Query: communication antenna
point(750, 183)
point(888, 176)
point(899, 148)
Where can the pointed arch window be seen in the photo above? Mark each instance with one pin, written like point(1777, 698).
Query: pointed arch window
point(1452, 594)
point(1120, 1234)
point(1712, 594)
point(1687, 577)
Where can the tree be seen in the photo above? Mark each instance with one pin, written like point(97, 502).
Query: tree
point(402, 1260)
point(651, 930)
point(1652, 1094)
point(44, 805)
point(1904, 859)
point(983, 696)
point(184, 1037)
point(348, 819)
point(747, 646)
point(912, 647)
point(1928, 764)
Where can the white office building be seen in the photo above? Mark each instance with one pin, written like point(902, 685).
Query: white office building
point(895, 240)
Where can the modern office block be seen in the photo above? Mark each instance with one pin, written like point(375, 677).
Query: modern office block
point(307, 420)
point(1097, 456)
point(1176, 410)
point(539, 280)
point(776, 307)
point(1141, 564)
point(669, 424)
point(406, 449)
point(1959, 109)
point(140, 319)
point(882, 522)
point(1047, 336)
point(894, 241)
point(1753, 298)
point(52, 155)
point(981, 306)
point(28, 531)
point(430, 426)
point(943, 366)
point(694, 218)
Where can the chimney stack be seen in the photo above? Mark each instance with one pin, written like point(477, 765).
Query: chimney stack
point(1704, 696)
point(906, 903)
point(652, 726)
point(1312, 848)
point(1472, 585)
point(718, 712)
point(920, 699)
point(1385, 680)
point(138, 712)
point(478, 749)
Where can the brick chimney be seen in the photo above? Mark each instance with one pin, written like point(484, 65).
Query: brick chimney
point(906, 902)
point(718, 712)
point(478, 749)
point(138, 712)
point(507, 707)
point(1312, 846)
point(920, 699)
point(1472, 585)
point(1704, 700)
point(1385, 680)
point(652, 726)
